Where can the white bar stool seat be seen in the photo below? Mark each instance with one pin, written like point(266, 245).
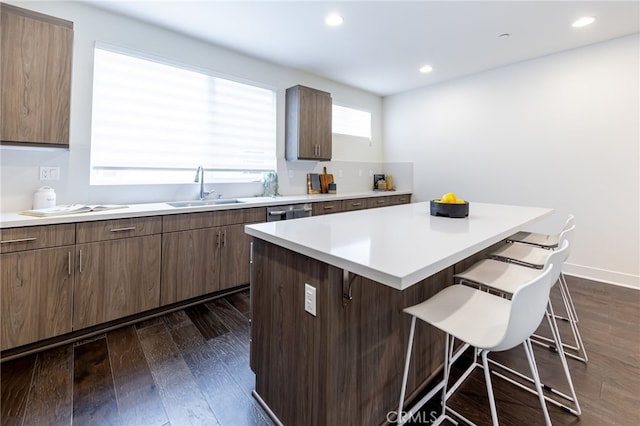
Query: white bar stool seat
point(539, 239)
point(487, 322)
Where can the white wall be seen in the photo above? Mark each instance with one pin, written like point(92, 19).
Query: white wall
point(19, 171)
point(561, 131)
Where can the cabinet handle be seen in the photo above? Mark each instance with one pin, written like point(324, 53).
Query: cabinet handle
point(80, 261)
point(69, 263)
point(128, 228)
point(328, 207)
point(19, 240)
point(356, 204)
point(381, 201)
point(218, 239)
point(224, 238)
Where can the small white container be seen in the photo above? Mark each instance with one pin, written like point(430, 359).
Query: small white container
point(44, 197)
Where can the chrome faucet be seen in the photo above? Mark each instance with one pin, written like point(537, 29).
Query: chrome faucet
point(200, 178)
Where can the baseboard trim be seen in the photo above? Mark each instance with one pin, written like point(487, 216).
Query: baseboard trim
point(602, 275)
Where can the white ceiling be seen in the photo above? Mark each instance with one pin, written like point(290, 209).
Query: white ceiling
point(381, 44)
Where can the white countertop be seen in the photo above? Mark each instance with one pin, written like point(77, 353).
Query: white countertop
point(400, 245)
point(13, 220)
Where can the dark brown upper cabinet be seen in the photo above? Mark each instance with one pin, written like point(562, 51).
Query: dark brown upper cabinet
point(36, 52)
point(308, 124)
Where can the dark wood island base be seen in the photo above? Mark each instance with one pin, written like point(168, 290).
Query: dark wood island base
point(343, 366)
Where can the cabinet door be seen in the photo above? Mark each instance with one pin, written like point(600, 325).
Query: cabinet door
point(190, 264)
point(307, 121)
point(36, 288)
point(234, 260)
point(324, 131)
point(36, 53)
point(115, 279)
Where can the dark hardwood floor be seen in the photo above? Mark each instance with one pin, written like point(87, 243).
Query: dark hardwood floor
point(192, 367)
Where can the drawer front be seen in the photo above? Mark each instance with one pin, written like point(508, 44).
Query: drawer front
point(400, 199)
point(35, 237)
point(253, 215)
point(118, 228)
point(355, 204)
point(327, 207)
point(378, 202)
point(187, 221)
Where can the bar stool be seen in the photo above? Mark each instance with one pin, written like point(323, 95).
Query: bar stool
point(541, 240)
point(548, 241)
point(535, 257)
point(505, 278)
point(456, 310)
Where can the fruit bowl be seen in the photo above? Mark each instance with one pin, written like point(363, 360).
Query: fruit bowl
point(456, 210)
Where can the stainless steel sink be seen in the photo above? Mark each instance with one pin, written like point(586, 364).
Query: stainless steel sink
point(196, 203)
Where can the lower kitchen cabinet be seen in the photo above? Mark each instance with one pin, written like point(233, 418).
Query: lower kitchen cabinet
point(337, 206)
point(36, 288)
point(116, 278)
point(236, 253)
point(395, 200)
point(205, 252)
point(374, 202)
point(355, 204)
point(190, 265)
point(326, 207)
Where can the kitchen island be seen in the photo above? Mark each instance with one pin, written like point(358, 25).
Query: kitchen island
point(344, 364)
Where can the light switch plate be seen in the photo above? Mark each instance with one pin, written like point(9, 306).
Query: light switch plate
point(310, 299)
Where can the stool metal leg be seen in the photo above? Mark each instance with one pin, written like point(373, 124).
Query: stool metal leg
point(534, 372)
point(571, 319)
point(563, 282)
point(487, 379)
point(551, 318)
point(401, 421)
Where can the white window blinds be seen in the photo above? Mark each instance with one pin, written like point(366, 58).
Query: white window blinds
point(155, 123)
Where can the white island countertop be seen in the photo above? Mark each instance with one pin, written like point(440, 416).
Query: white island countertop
point(400, 245)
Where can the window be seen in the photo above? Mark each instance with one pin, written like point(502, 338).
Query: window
point(154, 122)
point(352, 122)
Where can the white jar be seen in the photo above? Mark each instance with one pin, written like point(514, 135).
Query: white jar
point(44, 197)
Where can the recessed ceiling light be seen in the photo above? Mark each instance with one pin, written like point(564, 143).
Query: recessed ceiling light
point(584, 21)
point(334, 20)
point(426, 68)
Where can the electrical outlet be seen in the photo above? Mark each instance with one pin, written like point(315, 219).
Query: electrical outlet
point(49, 173)
point(290, 174)
point(360, 172)
point(310, 299)
point(339, 173)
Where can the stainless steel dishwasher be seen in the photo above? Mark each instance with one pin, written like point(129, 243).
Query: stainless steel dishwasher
point(290, 211)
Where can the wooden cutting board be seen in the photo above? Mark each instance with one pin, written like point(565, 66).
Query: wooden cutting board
point(325, 180)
